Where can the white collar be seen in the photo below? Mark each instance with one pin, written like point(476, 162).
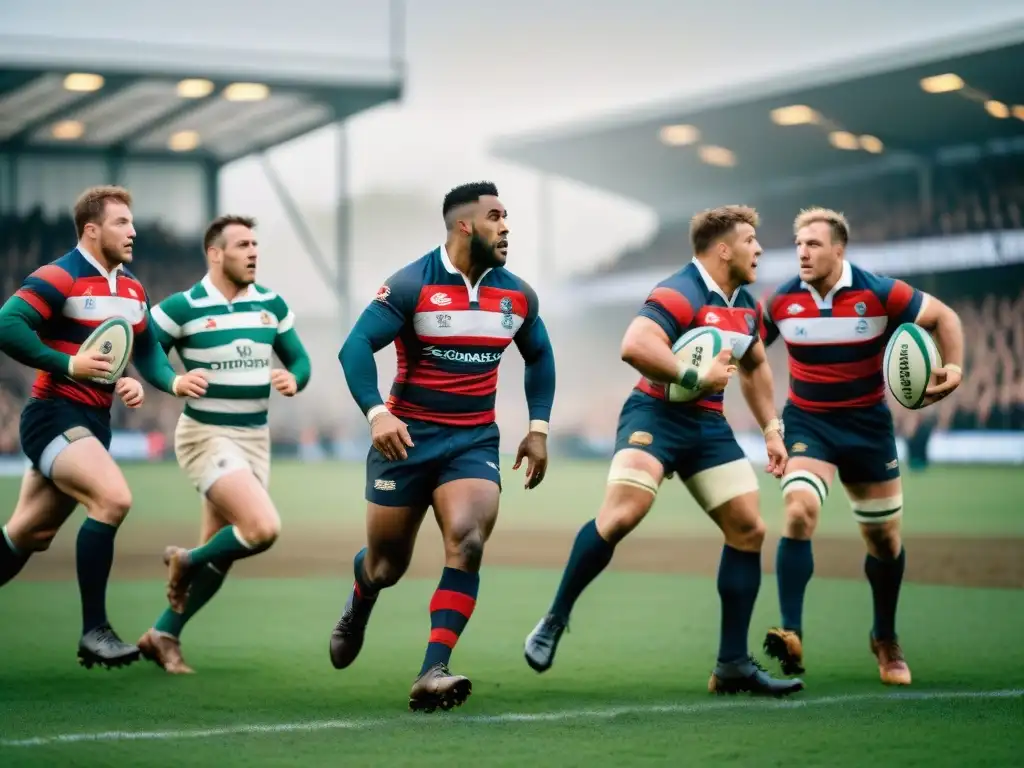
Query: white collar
point(711, 285)
point(111, 275)
point(216, 295)
point(845, 281)
point(446, 262)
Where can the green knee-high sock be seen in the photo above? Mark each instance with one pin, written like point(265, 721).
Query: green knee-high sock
point(225, 546)
point(204, 586)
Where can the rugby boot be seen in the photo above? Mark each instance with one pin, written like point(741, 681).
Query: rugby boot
point(787, 646)
point(748, 676)
point(102, 646)
point(437, 687)
point(176, 560)
point(892, 667)
point(164, 651)
point(542, 643)
point(347, 635)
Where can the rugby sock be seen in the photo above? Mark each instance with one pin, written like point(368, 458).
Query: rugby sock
point(739, 579)
point(590, 555)
point(225, 546)
point(794, 566)
point(450, 608)
point(11, 558)
point(203, 587)
point(363, 589)
point(885, 577)
point(94, 555)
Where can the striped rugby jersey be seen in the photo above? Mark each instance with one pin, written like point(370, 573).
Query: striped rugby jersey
point(449, 337)
point(691, 299)
point(74, 294)
point(836, 342)
point(233, 341)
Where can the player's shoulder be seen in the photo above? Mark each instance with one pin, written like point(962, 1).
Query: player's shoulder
point(61, 272)
point(865, 280)
point(272, 300)
point(686, 282)
point(505, 278)
point(417, 272)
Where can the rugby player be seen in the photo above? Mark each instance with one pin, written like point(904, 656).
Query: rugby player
point(657, 438)
point(836, 319)
point(65, 426)
point(232, 327)
point(451, 314)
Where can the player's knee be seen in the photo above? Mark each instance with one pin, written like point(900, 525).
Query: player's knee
point(263, 532)
point(883, 540)
point(745, 533)
point(468, 548)
point(36, 540)
point(111, 505)
point(801, 516)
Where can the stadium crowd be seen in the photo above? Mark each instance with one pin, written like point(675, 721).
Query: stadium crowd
point(982, 196)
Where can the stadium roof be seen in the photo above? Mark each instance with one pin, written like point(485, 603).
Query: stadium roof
point(175, 102)
point(877, 106)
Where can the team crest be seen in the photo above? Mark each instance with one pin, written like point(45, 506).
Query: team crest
point(382, 294)
point(265, 318)
point(860, 308)
point(505, 305)
point(799, 447)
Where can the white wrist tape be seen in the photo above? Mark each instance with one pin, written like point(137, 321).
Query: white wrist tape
point(374, 412)
point(539, 425)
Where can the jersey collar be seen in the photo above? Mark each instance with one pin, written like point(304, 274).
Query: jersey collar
point(712, 286)
point(111, 276)
point(446, 262)
point(845, 281)
point(216, 295)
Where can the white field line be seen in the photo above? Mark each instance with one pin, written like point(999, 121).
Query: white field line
point(605, 713)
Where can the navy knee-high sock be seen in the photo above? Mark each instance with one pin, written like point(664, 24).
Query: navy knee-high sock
point(94, 556)
point(885, 577)
point(794, 566)
point(450, 609)
point(590, 555)
point(739, 580)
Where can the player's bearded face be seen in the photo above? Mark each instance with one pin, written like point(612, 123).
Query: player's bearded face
point(239, 255)
point(487, 249)
point(117, 234)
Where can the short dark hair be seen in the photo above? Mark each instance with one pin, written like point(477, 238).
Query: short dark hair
point(91, 205)
point(467, 193)
point(218, 225)
point(710, 225)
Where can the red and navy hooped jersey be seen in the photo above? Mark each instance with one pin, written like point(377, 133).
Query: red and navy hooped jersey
point(836, 342)
point(451, 337)
point(691, 299)
point(74, 294)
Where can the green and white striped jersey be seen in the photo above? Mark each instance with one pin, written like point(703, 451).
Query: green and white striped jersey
point(233, 342)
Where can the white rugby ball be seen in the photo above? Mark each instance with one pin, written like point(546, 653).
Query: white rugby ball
point(114, 337)
point(910, 358)
point(698, 348)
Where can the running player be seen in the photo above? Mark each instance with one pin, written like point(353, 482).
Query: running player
point(836, 319)
point(65, 427)
point(230, 326)
point(451, 314)
point(657, 438)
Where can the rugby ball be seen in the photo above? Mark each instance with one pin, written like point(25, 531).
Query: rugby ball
point(698, 348)
point(114, 337)
point(910, 358)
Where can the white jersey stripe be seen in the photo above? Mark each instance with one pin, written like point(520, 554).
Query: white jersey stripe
point(224, 405)
point(470, 323)
point(100, 308)
point(831, 330)
point(229, 322)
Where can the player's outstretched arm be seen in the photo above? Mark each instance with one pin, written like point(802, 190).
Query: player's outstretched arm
point(535, 346)
point(758, 387)
point(152, 364)
point(939, 319)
